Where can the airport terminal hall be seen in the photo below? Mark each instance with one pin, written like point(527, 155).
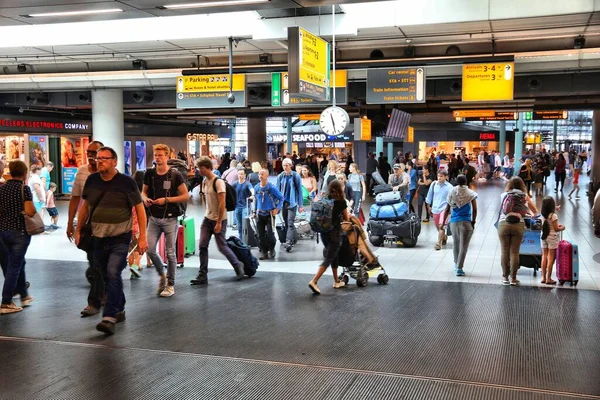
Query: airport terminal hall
point(300, 199)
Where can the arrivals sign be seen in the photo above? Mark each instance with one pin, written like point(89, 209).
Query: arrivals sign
point(396, 85)
point(210, 91)
point(308, 63)
point(281, 95)
point(488, 82)
point(542, 115)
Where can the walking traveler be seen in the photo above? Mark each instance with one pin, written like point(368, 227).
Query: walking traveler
point(289, 184)
point(267, 205)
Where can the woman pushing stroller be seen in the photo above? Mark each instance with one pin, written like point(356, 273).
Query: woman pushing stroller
point(332, 240)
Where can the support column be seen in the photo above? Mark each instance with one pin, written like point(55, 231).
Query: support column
point(257, 139)
point(555, 134)
point(595, 154)
point(378, 146)
point(107, 121)
point(502, 138)
point(288, 125)
point(519, 142)
point(390, 152)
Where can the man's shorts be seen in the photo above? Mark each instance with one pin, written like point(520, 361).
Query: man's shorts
point(439, 218)
point(551, 242)
point(53, 212)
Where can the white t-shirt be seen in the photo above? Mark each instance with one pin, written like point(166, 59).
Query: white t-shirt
point(212, 199)
point(82, 174)
point(33, 179)
point(551, 218)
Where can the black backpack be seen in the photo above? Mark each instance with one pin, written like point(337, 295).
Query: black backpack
point(230, 195)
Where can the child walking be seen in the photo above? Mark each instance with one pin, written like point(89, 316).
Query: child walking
point(550, 229)
point(51, 206)
point(576, 172)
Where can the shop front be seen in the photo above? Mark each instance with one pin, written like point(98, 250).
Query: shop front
point(36, 141)
point(319, 144)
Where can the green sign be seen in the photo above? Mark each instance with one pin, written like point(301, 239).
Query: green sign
point(528, 116)
point(275, 89)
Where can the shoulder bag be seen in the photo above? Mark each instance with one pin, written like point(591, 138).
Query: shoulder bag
point(33, 225)
point(85, 234)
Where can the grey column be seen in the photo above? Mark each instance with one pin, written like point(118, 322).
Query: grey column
point(595, 154)
point(257, 139)
point(288, 124)
point(519, 142)
point(502, 138)
point(390, 152)
point(107, 121)
point(378, 146)
point(555, 134)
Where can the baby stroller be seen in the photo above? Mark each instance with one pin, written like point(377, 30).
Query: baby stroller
point(356, 258)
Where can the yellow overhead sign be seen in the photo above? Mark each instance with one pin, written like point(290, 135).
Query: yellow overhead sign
point(210, 83)
point(309, 117)
point(474, 113)
point(410, 138)
point(341, 79)
point(314, 59)
point(365, 129)
point(488, 82)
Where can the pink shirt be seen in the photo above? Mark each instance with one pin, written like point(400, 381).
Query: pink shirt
point(50, 199)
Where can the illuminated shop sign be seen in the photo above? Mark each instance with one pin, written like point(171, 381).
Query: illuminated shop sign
point(49, 125)
point(202, 136)
point(487, 136)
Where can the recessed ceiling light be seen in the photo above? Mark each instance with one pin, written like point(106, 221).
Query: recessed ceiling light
point(212, 4)
point(73, 13)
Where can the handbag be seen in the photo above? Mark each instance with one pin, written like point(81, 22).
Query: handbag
point(85, 232)
point(33, 225)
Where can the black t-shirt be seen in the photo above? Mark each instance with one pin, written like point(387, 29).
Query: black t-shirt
point(11, 206)
point(160, 186)
point(336, 215)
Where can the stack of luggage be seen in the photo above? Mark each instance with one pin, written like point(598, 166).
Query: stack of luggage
point(389, 219)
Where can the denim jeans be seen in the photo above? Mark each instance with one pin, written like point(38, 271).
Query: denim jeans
point(462, 232)
point(357, 203)
point(240, 214)
point(110, 256)
point(289, 216)
point(411, 197)
point(266, 235)
point(156, 227)
point(421, 204)
point(207, 229)
point(16, 244)
point(97, 279)
point(510, 236)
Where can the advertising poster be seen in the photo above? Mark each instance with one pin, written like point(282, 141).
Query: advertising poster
point(38, 150)
point(127, 157)
point(14, 148)
point(70, 161)
point(140, 155)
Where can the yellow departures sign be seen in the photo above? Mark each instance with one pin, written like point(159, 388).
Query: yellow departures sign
point(210, 83)
point(488, 82)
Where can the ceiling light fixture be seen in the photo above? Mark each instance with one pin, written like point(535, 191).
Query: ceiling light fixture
point(212, 4)
point(73, 13)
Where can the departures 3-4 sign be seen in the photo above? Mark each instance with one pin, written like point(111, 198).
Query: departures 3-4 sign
point(308, 63)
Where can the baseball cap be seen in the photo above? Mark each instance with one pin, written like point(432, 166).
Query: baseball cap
point(287, 161)
point(397, 166)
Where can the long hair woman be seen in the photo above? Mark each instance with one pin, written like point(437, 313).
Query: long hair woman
point(359, 188)
point(332, 240)
point(511, 227)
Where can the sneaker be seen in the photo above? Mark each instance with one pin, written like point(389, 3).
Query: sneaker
point(168, 292)
point(515, 282)
point(340, 284)
point(313, 286)
point(263, 256)
point(460, 272)
point(288, 246)
point(10, 308)
point(135, 271)
point(26, 301)
point(162, 284)
point(505, 280)
point(272, 253)
point(199, 280)
point(88, 311)
point(106, 326)
point(239, 271)
point(120, 316)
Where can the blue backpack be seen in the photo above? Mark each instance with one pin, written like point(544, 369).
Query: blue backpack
point(321, 216)
point(243, 253)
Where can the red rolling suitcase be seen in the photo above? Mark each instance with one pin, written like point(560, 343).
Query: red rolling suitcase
point(567, 263)
point(179, 247)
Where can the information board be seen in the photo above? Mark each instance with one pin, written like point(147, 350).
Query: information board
point(485, 115)
point(308, 63)
point(488, 82)
point(396, 85)
point(546, 114)
point(210, 91)
point(281, 96)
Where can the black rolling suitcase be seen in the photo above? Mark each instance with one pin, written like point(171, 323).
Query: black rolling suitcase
point(249, 236)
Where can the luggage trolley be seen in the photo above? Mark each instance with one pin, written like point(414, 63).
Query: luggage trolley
point(530, 254)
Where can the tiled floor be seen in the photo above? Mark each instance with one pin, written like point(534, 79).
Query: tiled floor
point(420, 263)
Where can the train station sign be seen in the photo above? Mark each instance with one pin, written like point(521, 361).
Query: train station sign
point(396, 85)
point(308, 63)
point(281, 95)
point(210, 91)
point(485, 115)
point(544, 115)
point(488, 82)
